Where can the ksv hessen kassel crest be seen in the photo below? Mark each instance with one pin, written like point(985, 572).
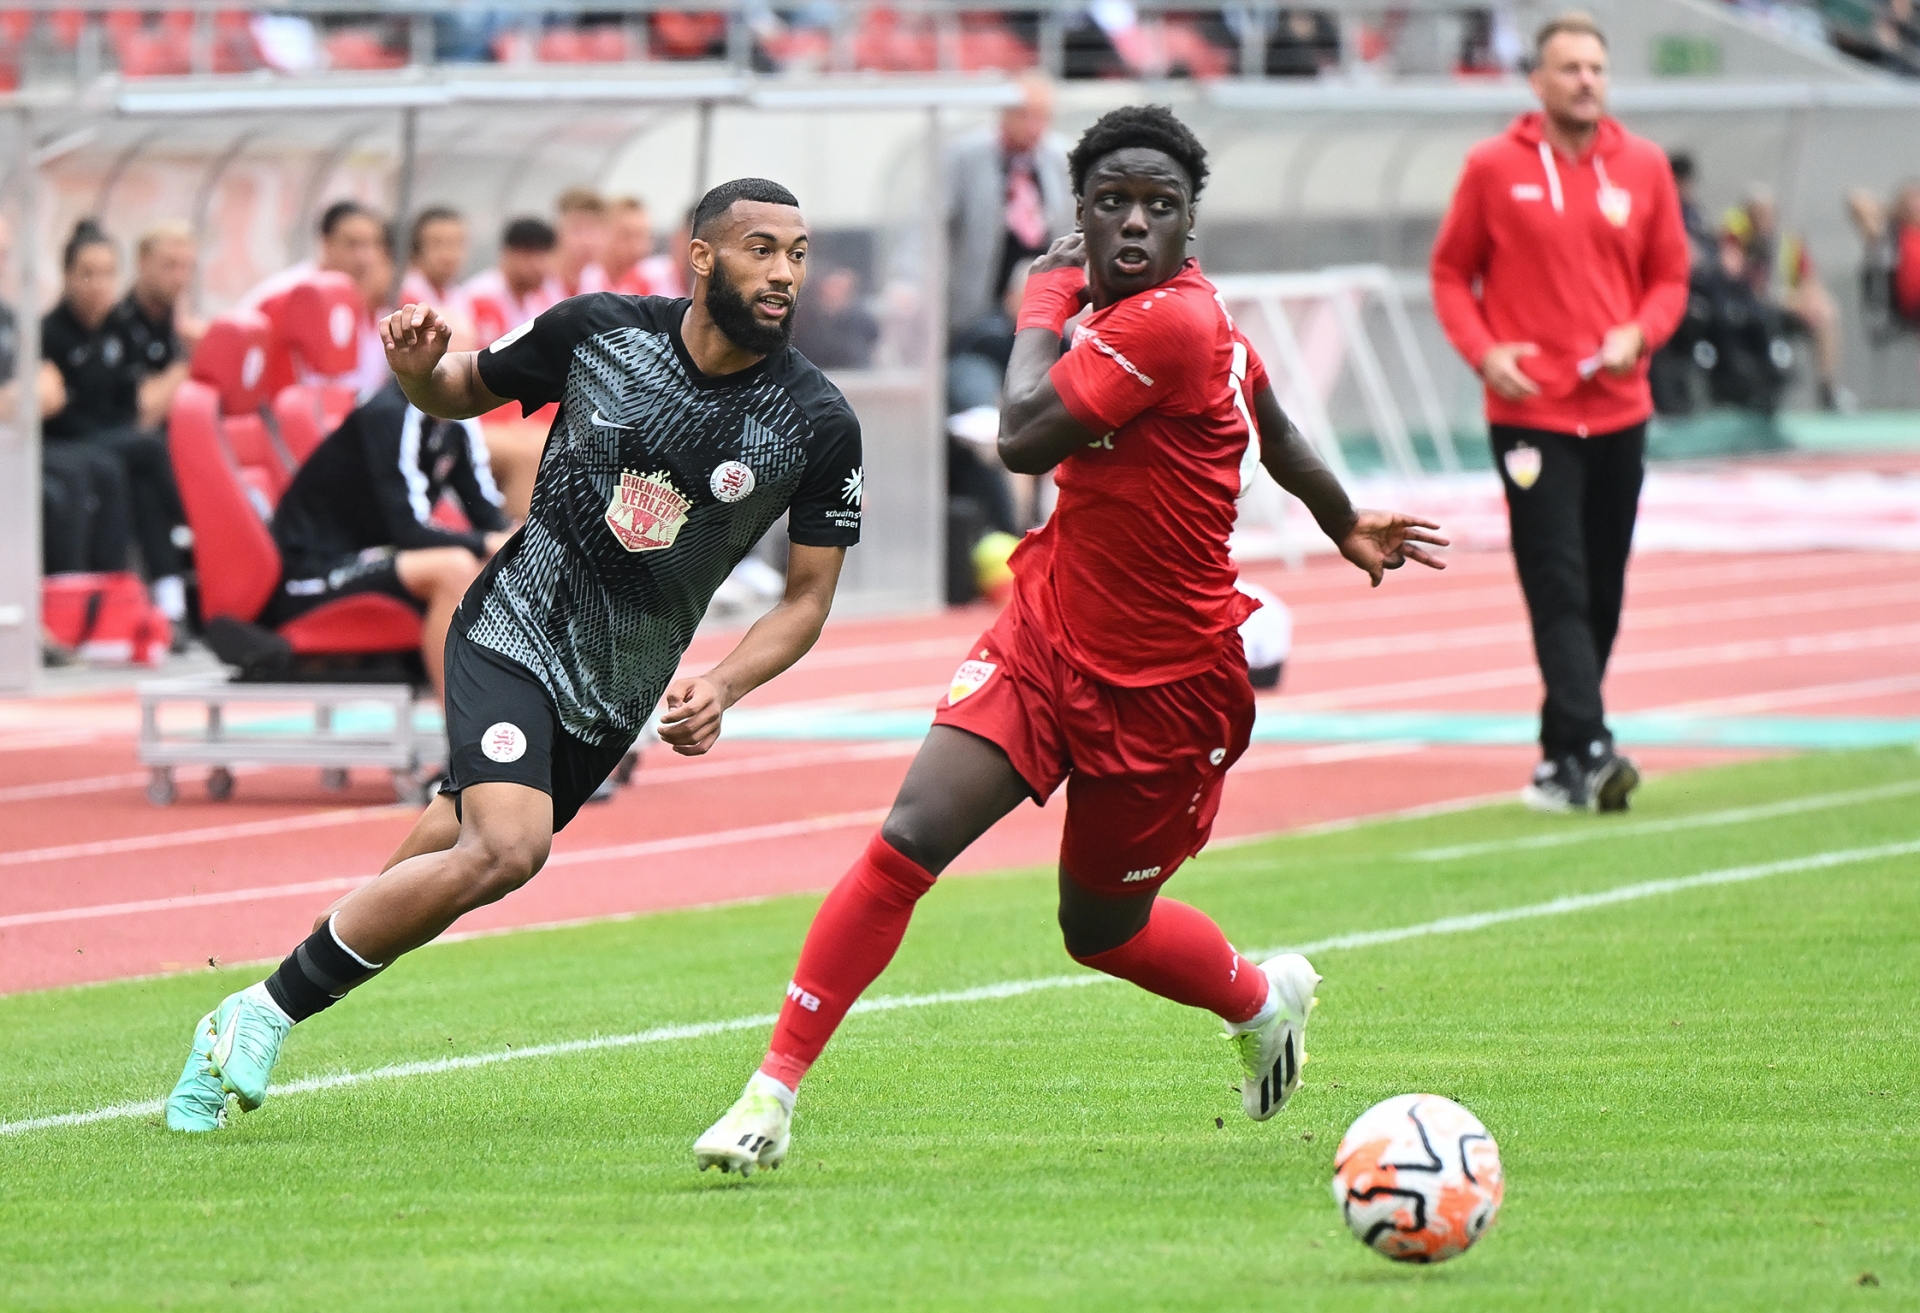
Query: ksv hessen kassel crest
point(646, 513)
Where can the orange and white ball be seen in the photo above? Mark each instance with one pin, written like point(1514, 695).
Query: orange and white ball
point(1418, 1178)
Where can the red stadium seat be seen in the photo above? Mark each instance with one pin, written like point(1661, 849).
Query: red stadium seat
point(66, 24)
point(363, 49)
point(302, 423)
point(678, 34)
point(239, 564)
point(316, 324)
point(232, 360)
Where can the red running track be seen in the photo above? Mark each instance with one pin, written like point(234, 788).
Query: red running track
point(97, 884)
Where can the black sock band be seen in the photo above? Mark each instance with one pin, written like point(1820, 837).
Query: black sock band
point(316, 975)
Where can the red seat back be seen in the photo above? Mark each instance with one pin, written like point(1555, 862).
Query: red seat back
point(239, 564)
point(253, 449)
point(302, 422)
point(232, 360)
point(316, 323)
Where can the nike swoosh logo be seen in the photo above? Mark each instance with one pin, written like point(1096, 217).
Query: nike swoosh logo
point(602, 422)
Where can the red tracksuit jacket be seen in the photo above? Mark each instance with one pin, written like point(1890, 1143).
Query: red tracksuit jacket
point(1563, 250)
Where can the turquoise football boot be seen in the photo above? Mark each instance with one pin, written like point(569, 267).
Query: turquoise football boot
point(199, 1101)
point(249, 1029)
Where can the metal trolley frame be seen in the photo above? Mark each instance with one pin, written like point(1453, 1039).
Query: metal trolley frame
point(403, 748)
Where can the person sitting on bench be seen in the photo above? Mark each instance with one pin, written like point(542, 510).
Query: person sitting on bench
point(359, 518)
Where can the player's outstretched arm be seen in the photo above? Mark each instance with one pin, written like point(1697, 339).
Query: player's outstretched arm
point(1376, 541)
point(444, 385)
point(690, 715)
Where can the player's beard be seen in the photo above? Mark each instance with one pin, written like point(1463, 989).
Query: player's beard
point(733, 315)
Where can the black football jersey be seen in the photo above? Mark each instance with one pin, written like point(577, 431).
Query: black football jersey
point(656, 481)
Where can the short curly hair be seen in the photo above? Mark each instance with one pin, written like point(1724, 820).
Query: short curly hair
point(1152, 126)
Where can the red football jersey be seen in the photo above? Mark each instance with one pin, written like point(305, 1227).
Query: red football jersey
point(1131, 576)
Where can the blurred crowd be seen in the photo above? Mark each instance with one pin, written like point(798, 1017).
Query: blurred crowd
point(1095, 39)
point(1759, 306)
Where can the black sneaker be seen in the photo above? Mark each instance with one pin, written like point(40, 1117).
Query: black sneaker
point(1610, 783)
point(1558, 785)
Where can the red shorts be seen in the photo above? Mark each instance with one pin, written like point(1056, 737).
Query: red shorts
point(1144, 766)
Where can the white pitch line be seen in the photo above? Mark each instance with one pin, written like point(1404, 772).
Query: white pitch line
point(1730, 816)
point(1446, 925)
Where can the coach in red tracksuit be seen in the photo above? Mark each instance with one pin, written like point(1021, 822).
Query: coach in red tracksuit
point(1560, 266)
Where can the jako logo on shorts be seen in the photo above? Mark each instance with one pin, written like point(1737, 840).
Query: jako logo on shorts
point(504, 742)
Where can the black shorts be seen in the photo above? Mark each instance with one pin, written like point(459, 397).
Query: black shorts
point(502, 728)
point(305, 585)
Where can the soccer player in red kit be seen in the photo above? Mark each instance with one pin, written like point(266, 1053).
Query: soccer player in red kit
point(1117, 667)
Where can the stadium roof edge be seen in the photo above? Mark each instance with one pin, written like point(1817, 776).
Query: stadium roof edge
point(204, 96)
point(1514, 96)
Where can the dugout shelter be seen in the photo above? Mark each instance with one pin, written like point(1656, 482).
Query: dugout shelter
point(251, 167)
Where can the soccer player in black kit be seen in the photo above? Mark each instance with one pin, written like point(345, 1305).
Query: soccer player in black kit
point(686, 429)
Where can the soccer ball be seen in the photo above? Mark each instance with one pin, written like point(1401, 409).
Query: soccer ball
point(1418, 1178)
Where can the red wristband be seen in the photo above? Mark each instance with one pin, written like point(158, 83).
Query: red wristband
point(1051, 298)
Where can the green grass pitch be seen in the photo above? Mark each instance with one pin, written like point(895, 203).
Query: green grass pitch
point(1705, 1099)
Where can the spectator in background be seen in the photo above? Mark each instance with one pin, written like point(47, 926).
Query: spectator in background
point(666, 271)
point(353, 241)
point(71, 526)
point(629, 242)
point(436, 256)
point(150, 318)
point(520, 287)
point(1781, 273)
point(1701, 238)
point(105, 375)
point(358, 518)
point(833, 328)
point(582, 241)
point(1008, 198)
point(1892, 237)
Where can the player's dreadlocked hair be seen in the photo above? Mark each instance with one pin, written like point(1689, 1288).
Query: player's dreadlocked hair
point(1152, 126)
point(718, 201)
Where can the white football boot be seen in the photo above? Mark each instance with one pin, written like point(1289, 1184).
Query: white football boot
point(754, 1133)
point(1273, 1046)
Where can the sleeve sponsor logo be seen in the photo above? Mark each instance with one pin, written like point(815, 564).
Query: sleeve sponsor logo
point(854, 488)
point(511, 336)
point(1100, 344)
point(646, 511)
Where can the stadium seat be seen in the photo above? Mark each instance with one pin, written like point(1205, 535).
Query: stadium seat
point(232, 359)
point(678, 34)
point(316, 327)
point(239, 563)
point(362, 49)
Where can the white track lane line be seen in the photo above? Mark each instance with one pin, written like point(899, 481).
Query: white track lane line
point(1804, 695)
point(1447, 925)
point(1730, 816)
point(582, 857)
point(1280, 760)
point(210, 834)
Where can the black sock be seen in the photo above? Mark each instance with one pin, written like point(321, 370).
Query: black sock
point(317, 974)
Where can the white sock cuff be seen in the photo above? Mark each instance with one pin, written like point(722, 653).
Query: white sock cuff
point(259, 993)
point(761, 1083)
point(371, 966)
point(1260, 1018)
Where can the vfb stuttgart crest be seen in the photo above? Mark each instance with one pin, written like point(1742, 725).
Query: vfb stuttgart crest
point(646, 513)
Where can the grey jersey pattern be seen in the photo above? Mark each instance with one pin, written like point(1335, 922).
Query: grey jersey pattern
point(653, 486)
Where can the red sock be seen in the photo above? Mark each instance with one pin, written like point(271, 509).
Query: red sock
point(853, 937)
point(1182, 955)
